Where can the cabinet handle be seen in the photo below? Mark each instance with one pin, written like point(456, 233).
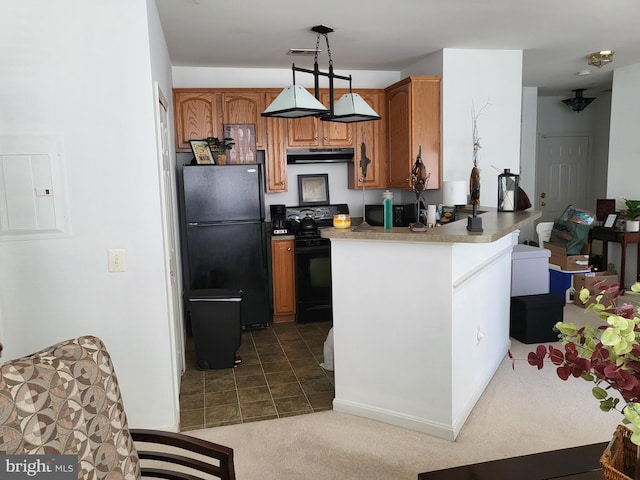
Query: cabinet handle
point(288, 249)
point(282, 183)
point(315, 138)
point(326, 138)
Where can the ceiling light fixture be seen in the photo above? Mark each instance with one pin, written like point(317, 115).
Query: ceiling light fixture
point(578, 103)
point(599, 59)
point(295, 101)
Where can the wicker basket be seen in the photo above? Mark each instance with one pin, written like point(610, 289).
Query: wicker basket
point(620, 457)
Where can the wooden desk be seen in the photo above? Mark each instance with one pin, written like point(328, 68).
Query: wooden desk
point(607, 235)
point(577, 463)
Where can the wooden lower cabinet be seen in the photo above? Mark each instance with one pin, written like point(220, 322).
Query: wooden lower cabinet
point(284, 280)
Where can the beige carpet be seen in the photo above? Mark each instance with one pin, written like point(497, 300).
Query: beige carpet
point(522, 411)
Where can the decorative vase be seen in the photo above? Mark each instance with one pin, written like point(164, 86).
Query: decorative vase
point(221, 159)
point(632, 225)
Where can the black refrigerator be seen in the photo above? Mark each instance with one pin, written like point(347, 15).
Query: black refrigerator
point(225, 235)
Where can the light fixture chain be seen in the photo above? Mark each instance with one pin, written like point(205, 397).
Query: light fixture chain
point(317, 48)
point(328, 49)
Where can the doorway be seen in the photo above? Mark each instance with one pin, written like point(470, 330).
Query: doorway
point(562, 174)
point(167, 194)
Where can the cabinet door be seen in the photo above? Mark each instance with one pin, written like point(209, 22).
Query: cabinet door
point(312, 132)
point(373, 135)
point(335, 134)
point(195, 117)
point(413, 121)
point(245, 108)
point(425, 115)
point(303, 132)
point(275, 155)
point(284, 298)
point(400, 155)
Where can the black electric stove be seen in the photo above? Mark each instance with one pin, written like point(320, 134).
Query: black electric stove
point(322, 216)
point(313, 259)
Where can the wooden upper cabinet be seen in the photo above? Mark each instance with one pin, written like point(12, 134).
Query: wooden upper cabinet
point(202, 112)
point(373, 134)
point(276, 151)
point(413, 120)
point(312, 132)
point(196, 116)
point(245, 108)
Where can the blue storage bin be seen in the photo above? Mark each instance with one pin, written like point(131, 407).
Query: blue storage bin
point(560, 281)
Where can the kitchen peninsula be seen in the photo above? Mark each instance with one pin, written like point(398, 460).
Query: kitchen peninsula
point(421, 319)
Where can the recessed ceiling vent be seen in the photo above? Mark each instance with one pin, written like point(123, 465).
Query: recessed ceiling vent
point(303, 51)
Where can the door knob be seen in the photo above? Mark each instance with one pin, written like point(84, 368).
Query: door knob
point(542, 204)
point(543, 195)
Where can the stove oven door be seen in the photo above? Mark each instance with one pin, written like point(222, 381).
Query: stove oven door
point(313, 282)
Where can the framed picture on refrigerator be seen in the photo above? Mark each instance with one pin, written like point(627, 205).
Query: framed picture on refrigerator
point(202, 152)
point(244, 137)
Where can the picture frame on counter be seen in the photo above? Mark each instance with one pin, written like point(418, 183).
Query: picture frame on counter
point(610, 221)
point(313, 189)
point(202, 152)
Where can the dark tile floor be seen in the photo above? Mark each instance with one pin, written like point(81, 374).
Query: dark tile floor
point(279, 376)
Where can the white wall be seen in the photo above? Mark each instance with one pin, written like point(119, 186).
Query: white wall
point(498, 124)
point(624, 141)
point(82, 70)
point(217, 77)
point(624, 145)
point(528, 145)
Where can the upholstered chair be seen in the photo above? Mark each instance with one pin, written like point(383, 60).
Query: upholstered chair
point(65, 399)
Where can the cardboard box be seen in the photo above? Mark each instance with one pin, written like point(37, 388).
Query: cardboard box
point(589, 281)
point(560, 258)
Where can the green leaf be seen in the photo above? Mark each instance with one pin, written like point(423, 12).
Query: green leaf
point(587, 376)
point(607, 405)
point(599, 392)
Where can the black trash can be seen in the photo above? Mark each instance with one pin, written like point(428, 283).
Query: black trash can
point(215, 325)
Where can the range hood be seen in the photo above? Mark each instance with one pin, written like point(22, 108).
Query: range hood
point(319, 155)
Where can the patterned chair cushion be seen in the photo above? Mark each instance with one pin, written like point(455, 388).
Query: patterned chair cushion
point(66, 400)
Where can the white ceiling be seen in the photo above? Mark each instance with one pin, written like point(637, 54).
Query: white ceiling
point(555, 35)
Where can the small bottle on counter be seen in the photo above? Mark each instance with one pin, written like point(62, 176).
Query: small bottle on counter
point(387, 202)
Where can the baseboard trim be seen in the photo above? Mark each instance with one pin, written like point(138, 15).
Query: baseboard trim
point(410, 422)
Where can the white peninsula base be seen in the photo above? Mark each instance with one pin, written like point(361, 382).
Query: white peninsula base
point(419, 328)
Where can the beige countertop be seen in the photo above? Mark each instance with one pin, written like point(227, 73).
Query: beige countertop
point(275, 238)
point(495, 225)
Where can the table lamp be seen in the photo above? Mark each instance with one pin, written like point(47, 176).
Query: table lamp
point(454, 194)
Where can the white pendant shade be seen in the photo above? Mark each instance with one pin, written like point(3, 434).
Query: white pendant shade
point(293, 102)
point(352, 108)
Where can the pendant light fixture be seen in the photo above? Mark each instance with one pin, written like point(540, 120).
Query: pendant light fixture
point(295, 101)
point(578, 103)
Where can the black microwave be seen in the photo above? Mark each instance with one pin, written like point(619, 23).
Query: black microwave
point(403, 215)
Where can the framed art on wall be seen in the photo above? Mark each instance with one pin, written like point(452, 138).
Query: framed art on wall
point(313, 189)
point(244, 136)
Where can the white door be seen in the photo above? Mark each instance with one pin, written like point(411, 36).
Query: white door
point(562, 174)
point(167, 193)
